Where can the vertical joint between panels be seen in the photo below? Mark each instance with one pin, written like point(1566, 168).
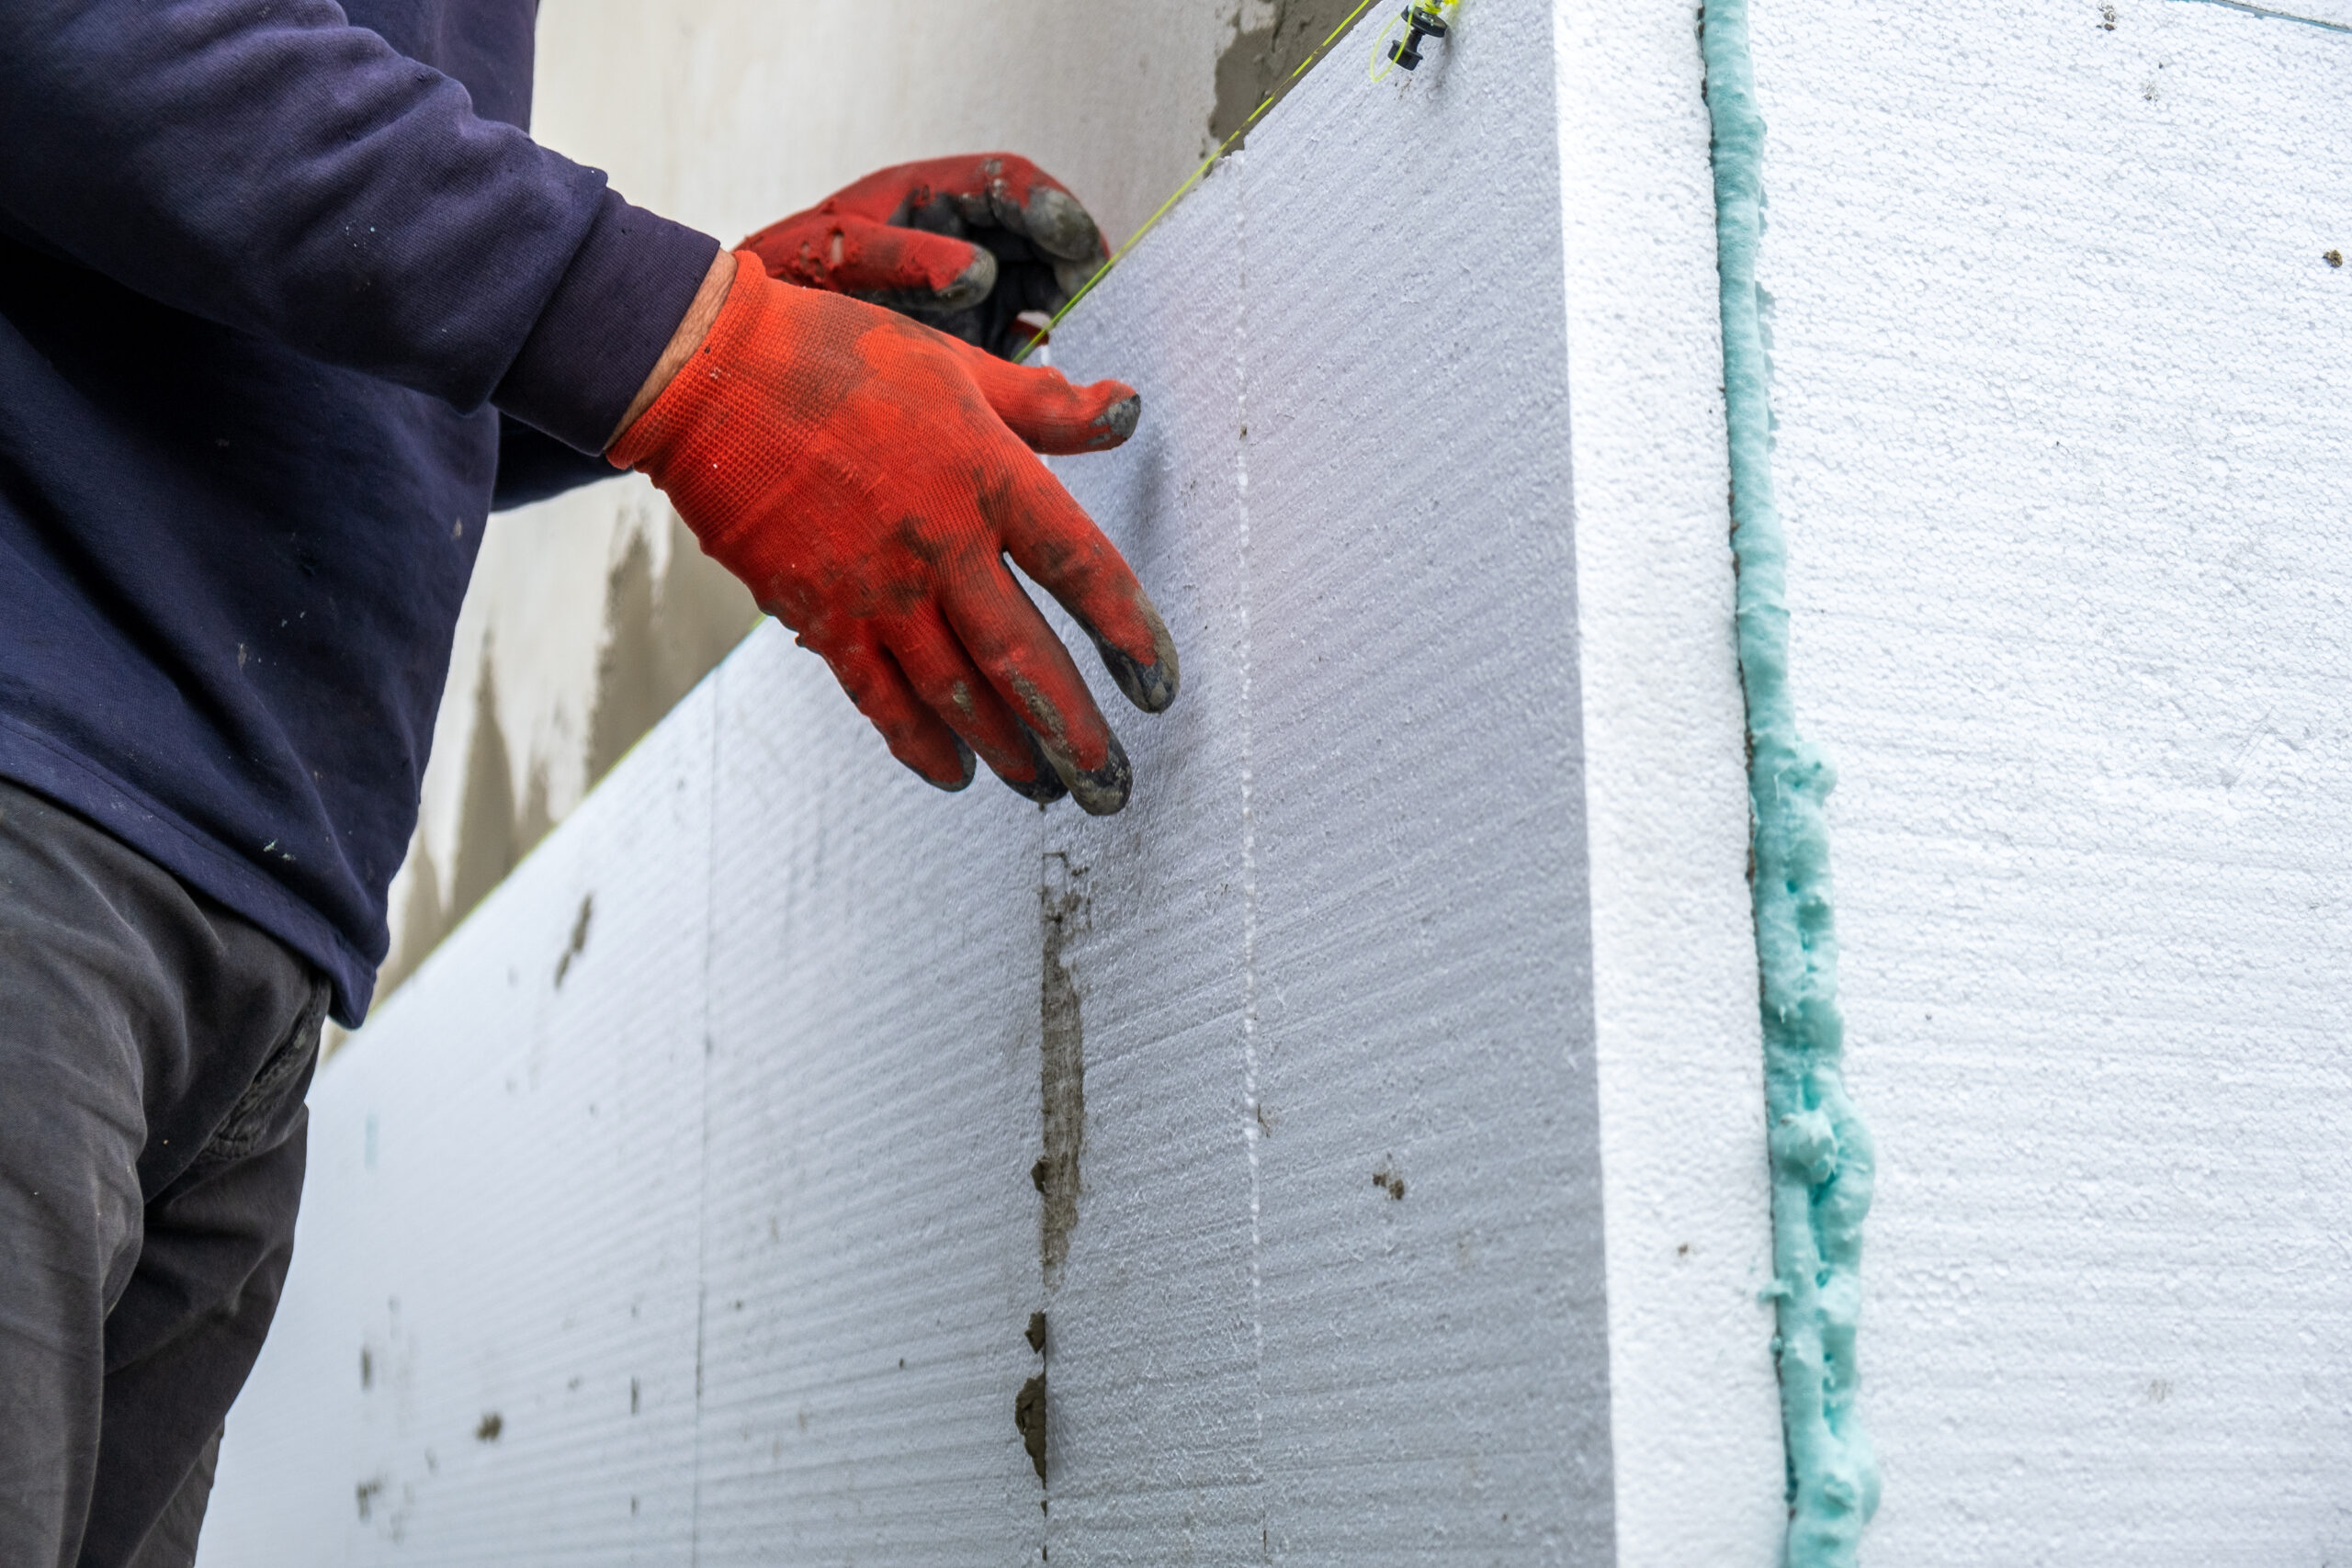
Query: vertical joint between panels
point(702, 1135)
point(1820, 1156)
point(1252, 1124)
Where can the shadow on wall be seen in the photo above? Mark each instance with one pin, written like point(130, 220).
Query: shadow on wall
point(662, 634)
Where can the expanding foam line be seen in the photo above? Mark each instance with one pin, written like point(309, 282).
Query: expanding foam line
point(1821, 1157)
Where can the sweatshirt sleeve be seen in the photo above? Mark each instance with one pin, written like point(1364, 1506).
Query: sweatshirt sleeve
point(265, 164)
point(533, 466)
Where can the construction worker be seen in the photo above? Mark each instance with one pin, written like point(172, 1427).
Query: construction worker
point(289, 303)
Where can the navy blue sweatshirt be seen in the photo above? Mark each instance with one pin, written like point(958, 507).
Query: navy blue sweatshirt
point(274, 274)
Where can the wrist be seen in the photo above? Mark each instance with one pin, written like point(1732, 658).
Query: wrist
point(691, 328)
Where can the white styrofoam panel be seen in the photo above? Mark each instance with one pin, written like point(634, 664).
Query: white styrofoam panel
point(870, 1227)
point(486, 1350)
point(2063, 387)
point(1435, 1385)
point(1679, 1057)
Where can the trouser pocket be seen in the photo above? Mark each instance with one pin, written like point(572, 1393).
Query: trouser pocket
point(265, 1111)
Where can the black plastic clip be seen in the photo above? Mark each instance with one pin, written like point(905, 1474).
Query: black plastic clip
point(1424, 23)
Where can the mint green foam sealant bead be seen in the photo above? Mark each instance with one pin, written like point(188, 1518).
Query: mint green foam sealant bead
point(1820, 1152)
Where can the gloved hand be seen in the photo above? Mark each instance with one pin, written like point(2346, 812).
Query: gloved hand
point(865, 477)
point(968, 244)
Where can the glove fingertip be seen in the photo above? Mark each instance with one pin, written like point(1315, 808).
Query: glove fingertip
point(1116, 422)
point(1151, 687)
point(1100, 792)
point(1057, 225)
point(970, 767)
point(971, 286)
point(1043, 786)
point(1151, 684)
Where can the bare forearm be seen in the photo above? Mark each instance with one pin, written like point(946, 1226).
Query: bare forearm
point(684, 341)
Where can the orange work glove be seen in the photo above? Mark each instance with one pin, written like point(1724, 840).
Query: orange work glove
point(866, 477)
point(968, 243)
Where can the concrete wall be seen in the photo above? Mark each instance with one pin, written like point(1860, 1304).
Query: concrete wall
point(590, 614)
point(693, 1202)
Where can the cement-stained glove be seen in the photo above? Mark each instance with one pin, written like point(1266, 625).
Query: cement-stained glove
point(865, 477)
point(968, 244)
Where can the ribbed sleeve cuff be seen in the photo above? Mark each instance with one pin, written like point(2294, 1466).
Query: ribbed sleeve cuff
point(629, 287)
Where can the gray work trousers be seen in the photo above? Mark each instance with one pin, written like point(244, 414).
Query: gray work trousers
point(155, 1051)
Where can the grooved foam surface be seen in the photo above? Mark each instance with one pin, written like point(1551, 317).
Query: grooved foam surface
point(2063, 386)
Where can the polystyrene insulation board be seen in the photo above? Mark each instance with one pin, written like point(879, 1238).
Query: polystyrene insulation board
point(2063, 388)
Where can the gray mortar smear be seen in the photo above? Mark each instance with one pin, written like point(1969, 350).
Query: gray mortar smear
point(1261, 60)
point(1029, 1417)
point(1062, 1066)
point(1029, 1406)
